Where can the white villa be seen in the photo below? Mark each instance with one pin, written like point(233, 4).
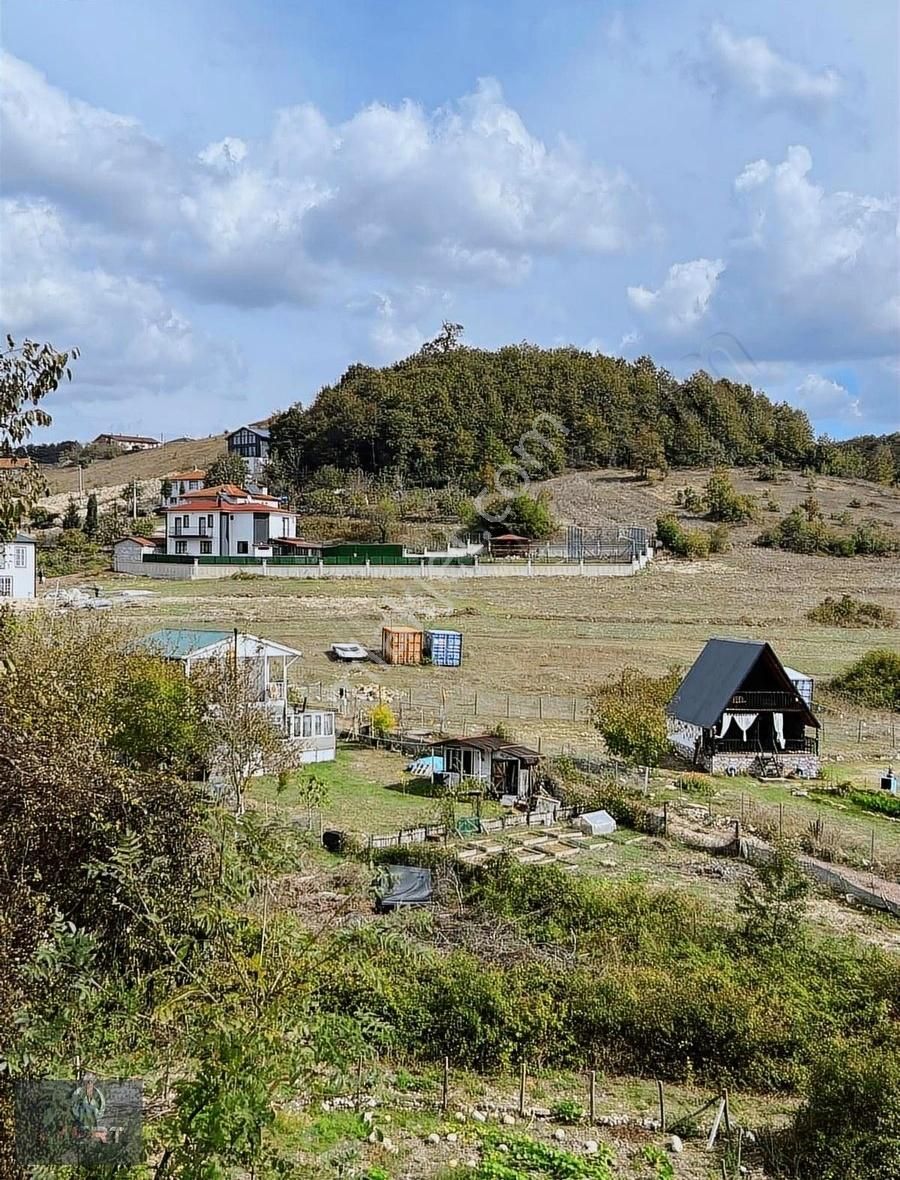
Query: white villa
point(268, 663)
point(17, 568)
point(182, 482)
point(226, 521)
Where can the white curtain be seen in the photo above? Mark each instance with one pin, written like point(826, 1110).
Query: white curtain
point(743, 722)
point(727, 719)
point(778, 722)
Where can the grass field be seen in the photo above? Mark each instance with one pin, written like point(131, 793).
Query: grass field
point(178, 455)
point(559, 636)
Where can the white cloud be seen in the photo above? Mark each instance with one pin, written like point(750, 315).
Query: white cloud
point(810, 275)
point(750, 68)
point(684, 297)
point(823, 398)
point(133, 341)
point(464, 192)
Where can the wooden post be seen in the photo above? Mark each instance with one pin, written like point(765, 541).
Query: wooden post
point(445, 1090)
point(592, 1095)
point(359, 1063)
point(740, 1150)
point(715, 1127)
point(780, 821)
point(727, 1112)
point(662, 1105)
point(858, 732)
point(574, 708)
point(523, 1073)
point(540, 708)
point(872, 849)
point(507, 705)
point(665, 829)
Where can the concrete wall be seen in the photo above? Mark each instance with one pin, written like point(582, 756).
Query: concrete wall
point(185, 571)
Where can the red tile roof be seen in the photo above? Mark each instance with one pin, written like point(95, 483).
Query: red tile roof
point(7, 464)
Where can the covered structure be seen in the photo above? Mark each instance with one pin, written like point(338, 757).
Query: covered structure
point(267, 664)
point(505, 768)
point(510, 545)
point(738, 710)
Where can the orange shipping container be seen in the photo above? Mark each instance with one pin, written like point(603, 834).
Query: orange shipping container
point(401, 645)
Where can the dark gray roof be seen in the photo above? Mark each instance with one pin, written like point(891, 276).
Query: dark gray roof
point(21, 539)
point(489, 743)
point(717, 674)
point(261, 431)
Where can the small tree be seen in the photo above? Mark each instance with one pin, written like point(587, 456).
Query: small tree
point(648, 452)
point(91, 517)
point(383, 515)
point(226, 468)
point(165, 489)
point(725, 503)
point(629, 712)
point(772, 903)
point(382, 720)
point(241, 738)
point(71, 519)
point(313, 792)
point(28, 372)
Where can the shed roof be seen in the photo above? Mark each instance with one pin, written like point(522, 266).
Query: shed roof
point(146, 541)
point(21, 539)
point(716, 675)
point(489, 743)
point(177, 644)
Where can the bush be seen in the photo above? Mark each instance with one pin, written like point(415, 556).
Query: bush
point(798, 532)
point(847, 611)
point(725, 503)
point(567, 1111)
point(880, 802)
point(692, 543)
point(526, 515)
point(719, 539)
point(849, 1126)
point(629, 711)
point(873, 680)
point(382, 720)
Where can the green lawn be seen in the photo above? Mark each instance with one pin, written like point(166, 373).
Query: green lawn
point(369, 791)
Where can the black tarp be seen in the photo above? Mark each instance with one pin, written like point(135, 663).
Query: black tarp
point(400, 885)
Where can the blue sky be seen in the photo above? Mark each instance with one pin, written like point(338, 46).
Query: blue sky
point(223, 203)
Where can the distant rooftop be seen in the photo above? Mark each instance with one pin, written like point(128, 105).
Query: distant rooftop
point(177, 644)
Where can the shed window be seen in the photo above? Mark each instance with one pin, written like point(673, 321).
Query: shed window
point(5, 587)
point(307, 725)
point(328, 724)
point(21, 557)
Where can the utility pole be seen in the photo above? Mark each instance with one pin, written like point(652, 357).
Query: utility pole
point(134, 499)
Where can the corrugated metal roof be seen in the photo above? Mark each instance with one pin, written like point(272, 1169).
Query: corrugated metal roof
point(717, 674)
point(488, 743)
point(177, 644)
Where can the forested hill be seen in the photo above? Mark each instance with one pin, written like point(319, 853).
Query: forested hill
point(448, 412)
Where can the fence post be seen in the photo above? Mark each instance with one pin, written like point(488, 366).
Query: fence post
point(666, 818)
point(523, 1071)
point(592, 1095)
point(445, 1090)
point(574, 708)
point(662, 1105)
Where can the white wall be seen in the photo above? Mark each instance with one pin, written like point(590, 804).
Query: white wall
point(17, 570)
point(227, 535)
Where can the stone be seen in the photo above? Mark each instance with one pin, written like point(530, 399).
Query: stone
point(508, 1120)
point(367, 1116)
point(372, 1102)
point(559, 1134)
point(452, 1137)
point(460, 1116)
point(503, 1147)
point(472, 1163)
point(452, 1163)
point(326, 1105)
point(592, 1147)
point(676, 1145)
point(387, 1143)
point(479, 1116)
point(374, 1137)
point(433, 1138)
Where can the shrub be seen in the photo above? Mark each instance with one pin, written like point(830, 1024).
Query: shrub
point(629, 711)
point(873, 680)
point(880, 802)
point(692, 543)
point(719, 539)
point(567, 1111)
point(847, 611)
point(849, 1126)
point(799, 533)
point(725, 503)
point(382, 720)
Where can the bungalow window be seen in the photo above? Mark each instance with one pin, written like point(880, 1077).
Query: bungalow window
point(243, 547)
point(181, 546)
point(328, 724)
point(206, 547)
point(209, 521)
point(307, 725)
point(5, 587)
point(21, 559)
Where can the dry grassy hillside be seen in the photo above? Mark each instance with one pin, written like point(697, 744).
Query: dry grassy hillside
point(616, 497)
point(178, 455)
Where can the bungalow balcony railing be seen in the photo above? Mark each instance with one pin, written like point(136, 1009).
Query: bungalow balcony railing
point(753, 702)
point(804, 745)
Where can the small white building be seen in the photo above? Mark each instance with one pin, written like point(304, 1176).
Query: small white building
point(227, 521)
point(17, 568)
point(269, 663)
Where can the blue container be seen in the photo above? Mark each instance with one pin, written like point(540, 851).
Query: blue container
point(444, 648)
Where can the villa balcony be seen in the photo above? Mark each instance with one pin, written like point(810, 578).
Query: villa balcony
point(762, 702)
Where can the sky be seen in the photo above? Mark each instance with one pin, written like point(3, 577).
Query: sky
point(224, 203)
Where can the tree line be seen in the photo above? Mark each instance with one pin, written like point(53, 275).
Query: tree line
point(453, 414)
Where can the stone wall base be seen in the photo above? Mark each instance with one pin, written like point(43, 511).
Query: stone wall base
point(802, 765)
